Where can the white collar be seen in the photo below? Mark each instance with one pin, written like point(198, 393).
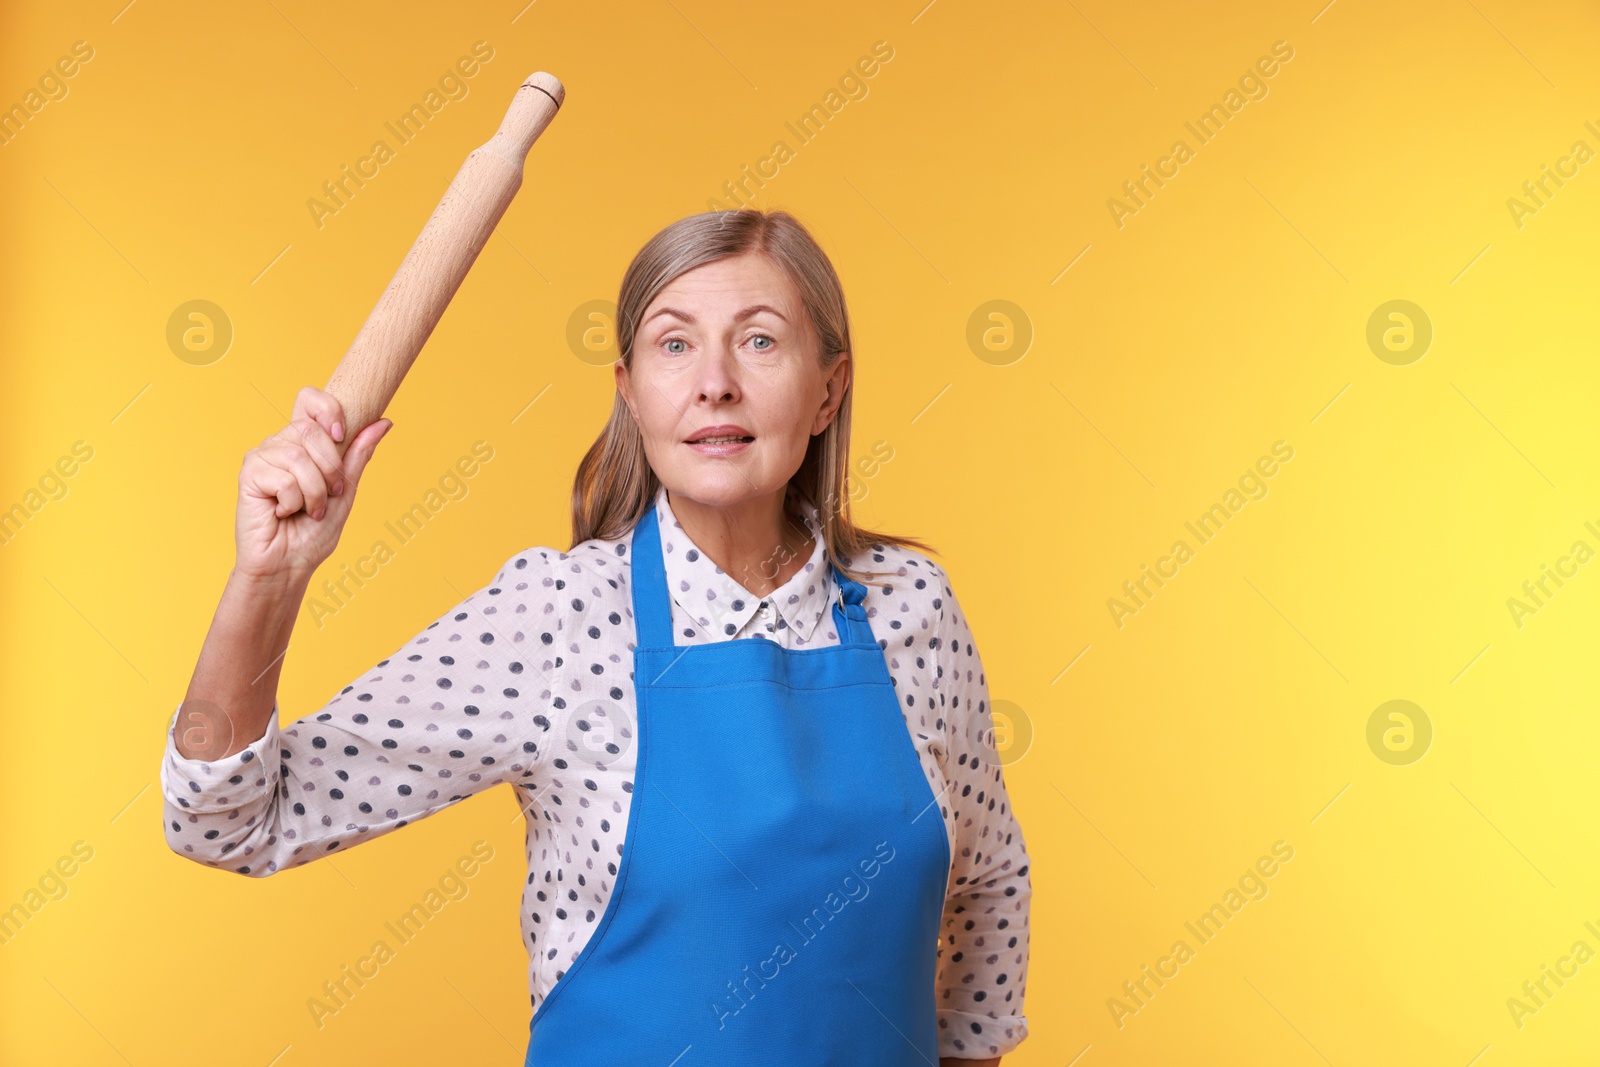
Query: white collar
point(715, 600)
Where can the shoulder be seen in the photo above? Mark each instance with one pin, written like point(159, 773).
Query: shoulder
point(533, 560)
point(596, 560)
point(907, 591)
point(596, 557)
point(894, 570)
point(570, 583)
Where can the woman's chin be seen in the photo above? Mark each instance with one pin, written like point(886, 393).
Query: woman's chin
point(717, 484)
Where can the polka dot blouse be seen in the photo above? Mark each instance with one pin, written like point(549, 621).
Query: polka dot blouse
point(528, 682)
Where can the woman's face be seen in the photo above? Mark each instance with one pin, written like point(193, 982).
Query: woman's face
point(729, 345)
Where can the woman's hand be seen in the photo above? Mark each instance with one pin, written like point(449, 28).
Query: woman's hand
point(295, 492)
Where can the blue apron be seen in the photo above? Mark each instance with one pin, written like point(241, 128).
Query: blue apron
point(783, 873)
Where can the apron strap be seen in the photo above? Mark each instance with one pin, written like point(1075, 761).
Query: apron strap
point(652, 611)
point(849, 616)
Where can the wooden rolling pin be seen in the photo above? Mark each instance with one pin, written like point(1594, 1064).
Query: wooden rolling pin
point(371, 371)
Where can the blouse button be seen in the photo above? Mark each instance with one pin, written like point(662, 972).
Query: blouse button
point(765, 610)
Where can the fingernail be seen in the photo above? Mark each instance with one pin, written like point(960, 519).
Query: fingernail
point(338, 488)
point(319, 513)
point(338, 431)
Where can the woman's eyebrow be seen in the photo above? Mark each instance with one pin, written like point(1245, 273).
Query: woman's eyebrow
point(753, 309)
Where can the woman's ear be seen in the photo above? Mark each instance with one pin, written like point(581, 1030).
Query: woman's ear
point(621, 376)
point(837, 382)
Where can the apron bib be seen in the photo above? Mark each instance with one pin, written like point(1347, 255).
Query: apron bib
point(783, 872)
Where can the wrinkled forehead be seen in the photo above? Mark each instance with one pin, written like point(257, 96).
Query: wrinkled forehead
point(729, 289)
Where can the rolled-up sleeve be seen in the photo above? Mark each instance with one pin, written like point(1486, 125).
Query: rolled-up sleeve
point(983, 951)
point(457, 709)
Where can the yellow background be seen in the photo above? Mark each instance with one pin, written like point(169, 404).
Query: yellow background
point(1228, 314)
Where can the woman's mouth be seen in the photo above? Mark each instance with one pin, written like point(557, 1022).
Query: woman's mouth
point(721, 445)
point(721, 440)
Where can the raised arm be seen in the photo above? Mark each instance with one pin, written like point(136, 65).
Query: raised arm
point(453, 712)
point(295, 495)
point(983, 950)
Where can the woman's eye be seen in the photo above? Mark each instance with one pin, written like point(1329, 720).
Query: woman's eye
point(762, 337)
point(675, 341)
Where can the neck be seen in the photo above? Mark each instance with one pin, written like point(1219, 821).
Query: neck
point(755, 541)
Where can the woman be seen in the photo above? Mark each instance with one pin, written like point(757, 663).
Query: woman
point(730, 714)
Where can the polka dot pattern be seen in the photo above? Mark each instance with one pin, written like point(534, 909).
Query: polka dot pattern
point(529, 682)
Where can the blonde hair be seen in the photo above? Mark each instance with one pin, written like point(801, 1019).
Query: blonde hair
point(614, 484)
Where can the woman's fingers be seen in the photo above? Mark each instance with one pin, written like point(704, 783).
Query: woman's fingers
point(264, 480)
point(300, 465)
point(322, 407)
point(308, 476)
point(318, 444)
point(361, 449)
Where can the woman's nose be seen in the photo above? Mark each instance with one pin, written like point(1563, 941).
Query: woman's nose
point(717, 372)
